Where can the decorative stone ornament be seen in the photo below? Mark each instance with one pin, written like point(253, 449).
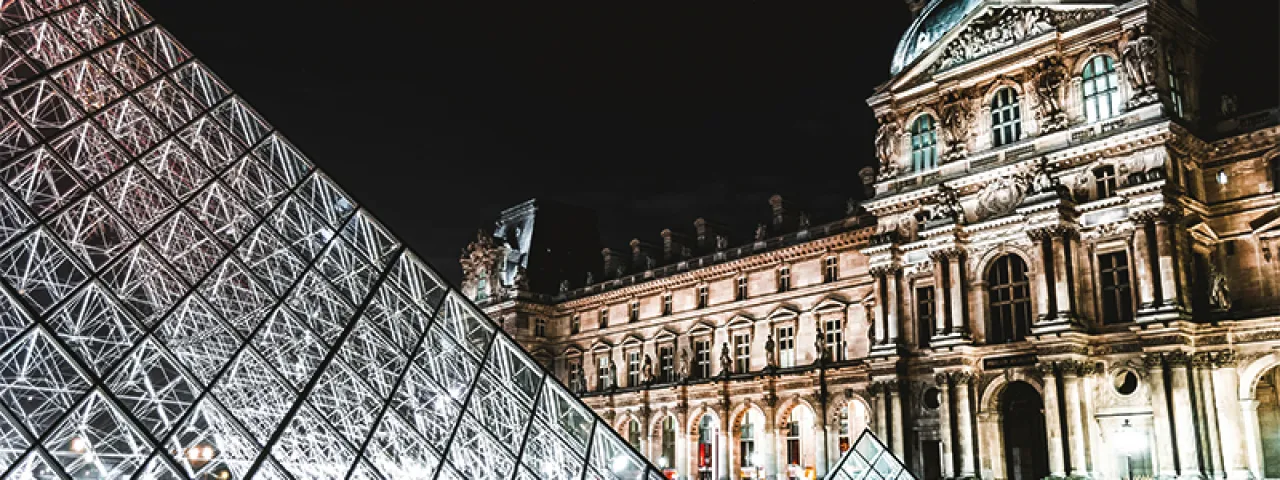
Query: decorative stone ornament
point(1048, 77)
point(1140, 66)
point(956, 119)
point(888, 139)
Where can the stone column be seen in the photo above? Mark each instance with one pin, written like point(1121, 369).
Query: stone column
point(1252, 437)
point(898, 435)
point(1183, 412)
point(1045, 294)
point(881, 276)
point(1063, 290)
point(682, 450)
point(1053, 420)
point(893, 304)
point(941, 315)
point(1168, 262)
point(1074, 403)
point(822, 427)
point(964, 425)
point(1161, 420)
point(1142, 262)
point(944, 425)
point(1202, 364)
point(768, 443)
point(722, 452)
point(882, 420)
point(1231, 431)
point(959, 308)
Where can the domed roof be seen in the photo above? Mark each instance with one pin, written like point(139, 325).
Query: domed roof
point(937, 18)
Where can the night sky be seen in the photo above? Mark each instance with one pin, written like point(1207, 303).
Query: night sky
point(437, 115)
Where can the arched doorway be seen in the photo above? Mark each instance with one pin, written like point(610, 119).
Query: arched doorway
point(800, 438)
point(707, 447)
point(1026, 453)
point(1267, 393)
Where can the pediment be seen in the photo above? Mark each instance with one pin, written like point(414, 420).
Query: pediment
point(702, 328)
point(830, 304)
point(783, 312)
point(665, 335)
point(991, 29)
point(740, 321)
point(572, 351)
point(600, 346)
point(632, 340)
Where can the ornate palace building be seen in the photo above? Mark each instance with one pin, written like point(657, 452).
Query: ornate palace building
point(1064, 269)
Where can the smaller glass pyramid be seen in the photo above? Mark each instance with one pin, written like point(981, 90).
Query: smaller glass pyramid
point(869, 459)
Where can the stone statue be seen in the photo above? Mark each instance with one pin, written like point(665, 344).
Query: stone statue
point(1041, 177)
point(1219, 291)
point(564, 286)
point(771, 357)
point(582, 380)
point(804, 221)
point(1048, 77)
point(761, 233)
point(851, 205)
point(820, 351)
point(1230, 105)
point(685, 365)
point(648, 369)
point(722, 242)
point(946, 205)
point(955, 126)
point(613, 374)
point(726, 360)
point(590, 278)
point(1140, 65)
point(888, 139)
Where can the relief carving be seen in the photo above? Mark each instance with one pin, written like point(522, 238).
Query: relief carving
point(887, 140)
point(957, 116)
point(1001, 196)
point(1005, 27)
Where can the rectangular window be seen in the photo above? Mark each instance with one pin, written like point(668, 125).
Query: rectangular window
point(667, 363)
point(574, 378)
point(742, 288)
point(926, 311)
point(575, 324)
point(835, 339)
point(831, 269)
point(666, 304)
point(634, 315)
point(633, 369)
point(741, 352)
point(539, 327)
point(604, 318)
point(602, 372)
point(702, 358)
point(1105, 181)
point(702, 296)
point(747, 444)
point(787, 346)
point(1175, 84)
point(784, 279)
point(1117, 295)
point(793, 443)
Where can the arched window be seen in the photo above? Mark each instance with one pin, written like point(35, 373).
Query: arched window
point(1009, 301)
point(1101, 86)
point(924, 141)
point(633, 433)
point(1006, 117)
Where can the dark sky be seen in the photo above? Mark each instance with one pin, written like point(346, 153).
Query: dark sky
point(437, 115)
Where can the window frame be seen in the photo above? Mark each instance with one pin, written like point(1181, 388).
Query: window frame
point(785, 361)
point(1006, 117)
point(741, 350)
point(1095, 87)
point(1177, 91)
point(926, 311)
point(703, 296)
point(1117, 299)
point(602, 369)
point(924, 143)
point(835, 336)
point(667, 304)
point(1105, 181)
point(540, 326)
point(667, 362)
point(741, 288)
point(634, 359)
point(575, 324)
point(604, 318)
point(702, 367)
point(633, 312)
point(784, 279)
point(830, 269)
point(1019, 301)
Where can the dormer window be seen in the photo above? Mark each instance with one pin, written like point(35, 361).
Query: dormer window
point(784, 279)
point(831, 270)
point(666, 304)
point(1006, 118)
point(1101, 86)
point(924, 144)
point(635, 311)
point(604, 318)
point(742, 288)
point(575, 324)
point(702, 296)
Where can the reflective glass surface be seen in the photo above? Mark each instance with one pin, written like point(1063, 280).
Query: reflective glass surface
point(184, 295)
point(869, 459)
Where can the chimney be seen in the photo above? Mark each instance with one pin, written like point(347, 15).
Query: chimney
point(614, 263)
point(674, 248)
point(642, 256)
point(916, 6)
point(707, 233)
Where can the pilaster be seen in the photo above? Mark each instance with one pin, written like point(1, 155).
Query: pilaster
point(1165, 456)
point(1183, 410)
point(1053, 420)
point(964, 425)
point(1231, 431)
point(944, 425)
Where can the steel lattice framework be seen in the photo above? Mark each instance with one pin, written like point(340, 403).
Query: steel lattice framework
point(184, 295)
point(869, 459)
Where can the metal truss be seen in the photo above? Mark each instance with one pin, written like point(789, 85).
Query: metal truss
point(869, 459)
point(184, 295)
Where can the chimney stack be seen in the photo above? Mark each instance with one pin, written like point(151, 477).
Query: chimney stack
point(642, 256)
point(708, 233)
point(674, 247)
point(614, 264)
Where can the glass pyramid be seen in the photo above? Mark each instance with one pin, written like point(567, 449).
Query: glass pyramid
point(869, 459)
point(183, 294)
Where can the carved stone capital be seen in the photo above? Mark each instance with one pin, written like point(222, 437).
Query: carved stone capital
point(1144, 217)
point(941, 379)
point(875, 388)
point(1225, 359)
point(1202, 360)
point(1169, 213)
point(1178, 359)
point(1039, 234)
point(1046, 369)
point(961, 378)
point(885, 270)
point(1153, 361)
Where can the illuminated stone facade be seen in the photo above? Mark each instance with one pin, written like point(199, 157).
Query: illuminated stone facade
point(1064, 270)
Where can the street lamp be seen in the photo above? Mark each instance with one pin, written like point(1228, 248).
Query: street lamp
point(1131, 442)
